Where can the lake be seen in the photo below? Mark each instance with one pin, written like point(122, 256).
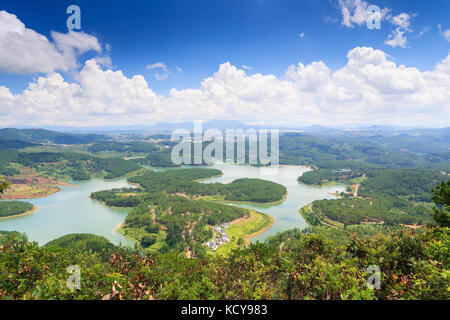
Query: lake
point(286, 213)
point(71, 210)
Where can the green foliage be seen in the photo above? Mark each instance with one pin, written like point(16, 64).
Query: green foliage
point(8, 236)
point(414, 265)
point(254, 190)
point(164, 222)
point(356, 211)
point(148, 240)
point(321, 176)
point(160, 159)
point(123, 147)
point(441, 196)
point(6, 144)
point(413, 185)
point(41, 135)
point(393, 197)
point(76, 166)
point(3, 184)
point(118, 197)
point(82, 242)
point(13, 208)
point(357, 153)
point(173, 181)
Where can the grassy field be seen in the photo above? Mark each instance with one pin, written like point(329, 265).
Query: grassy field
point(247, 228)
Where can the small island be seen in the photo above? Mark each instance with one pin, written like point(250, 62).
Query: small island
point(14, 209)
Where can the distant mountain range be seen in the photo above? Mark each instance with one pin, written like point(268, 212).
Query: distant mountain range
point(428, 140)
point(30, 136)
point(232, 124)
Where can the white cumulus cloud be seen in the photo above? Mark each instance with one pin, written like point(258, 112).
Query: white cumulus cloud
point(369, 89)
point(23, 50)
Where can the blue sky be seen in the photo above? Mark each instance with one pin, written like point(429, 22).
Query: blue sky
point(193, 38)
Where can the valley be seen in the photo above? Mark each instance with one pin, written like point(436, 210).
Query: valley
point(119, 195)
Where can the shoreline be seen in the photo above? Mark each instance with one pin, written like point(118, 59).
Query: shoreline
point(31, 197)
point(106, 205)
point(249, 237)
point(296, 165)
point(308, 206)
point(253, 202)
point(53, 189)
point(237, 226)
point(212, 177)
point(27, 213)
point(118, 227)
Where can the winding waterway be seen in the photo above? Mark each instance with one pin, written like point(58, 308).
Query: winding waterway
point(286, 213)
point(71, 210)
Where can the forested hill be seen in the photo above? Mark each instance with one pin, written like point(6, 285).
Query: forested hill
point(337, 152)
point(47, 136)
point(82, 241)
point(413, 185)
point(76, 166)
point(13, 208)
point(184, 181)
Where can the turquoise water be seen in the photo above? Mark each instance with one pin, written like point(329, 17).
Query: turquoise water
point(71, 210)
point(286, 213)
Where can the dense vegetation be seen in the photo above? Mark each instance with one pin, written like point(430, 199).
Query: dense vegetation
point(123, 147)
point(160, 159)
point(13, 208)
point(165, 222)
point(76, 166)
point(385, 196)
point(3, 184)
point(357, 211)
point(46, 136)
point(331, 152)
point(253, 190)
point(329, 260)
point(125, 197)
point(441, 196)
point(6, 144)
point(322, 176)
point(165, 217)
point(182, 181)
point(82, 241)
point(412, 185)
point(413, 265)
point(173, 180)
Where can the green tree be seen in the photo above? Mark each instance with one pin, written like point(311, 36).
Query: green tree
point(441, 196)
point(147, 240)
point(3, 184)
